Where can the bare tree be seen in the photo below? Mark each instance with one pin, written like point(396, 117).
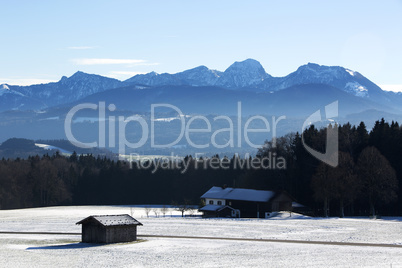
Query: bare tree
point(378, 178)
point(156, 211)
point(191, 211)
point(131, 211)
point(182, 207)
point(339, 183)
point(164, 209)
point(322, 186)
point(147, 210)
point(346, 183)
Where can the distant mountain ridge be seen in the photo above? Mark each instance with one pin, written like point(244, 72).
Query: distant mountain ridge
point(238, 75)
point(295, 101)
point(70, 89)
point(239, 93)
point(247, 75)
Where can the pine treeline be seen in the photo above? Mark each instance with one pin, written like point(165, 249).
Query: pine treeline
point(365, 181)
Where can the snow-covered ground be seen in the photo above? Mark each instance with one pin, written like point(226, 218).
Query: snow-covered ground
point(51, 147)
point(22, 250)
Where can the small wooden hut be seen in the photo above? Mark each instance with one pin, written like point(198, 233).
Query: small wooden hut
point(109, 229)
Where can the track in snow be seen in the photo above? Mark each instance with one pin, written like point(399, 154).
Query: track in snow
point(238, 239)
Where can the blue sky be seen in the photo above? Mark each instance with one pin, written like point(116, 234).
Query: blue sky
point(44, 40)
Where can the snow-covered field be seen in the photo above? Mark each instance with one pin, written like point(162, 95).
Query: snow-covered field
point(27, 250)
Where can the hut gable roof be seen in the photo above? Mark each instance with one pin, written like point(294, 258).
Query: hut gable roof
point(111, 220)
point(239, 194)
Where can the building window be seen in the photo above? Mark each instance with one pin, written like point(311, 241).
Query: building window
point(219, 202)
point(211, 202)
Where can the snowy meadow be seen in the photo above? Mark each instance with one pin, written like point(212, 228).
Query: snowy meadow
point(44, 250)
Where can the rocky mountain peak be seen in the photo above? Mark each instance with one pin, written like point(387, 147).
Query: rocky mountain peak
point(242, 74)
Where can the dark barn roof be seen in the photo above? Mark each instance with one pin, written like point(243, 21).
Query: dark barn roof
point(111, 220)
point(239, 194)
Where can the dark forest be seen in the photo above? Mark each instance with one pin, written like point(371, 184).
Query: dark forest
point(365, 182)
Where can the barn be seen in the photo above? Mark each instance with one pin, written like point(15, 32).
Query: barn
point(109, 228)
point(245, 203)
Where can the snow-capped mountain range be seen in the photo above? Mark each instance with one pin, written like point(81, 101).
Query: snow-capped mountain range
point(238, 75)
point(66, 90)
point(39, 111)
point(250, 74)
point(247, 75)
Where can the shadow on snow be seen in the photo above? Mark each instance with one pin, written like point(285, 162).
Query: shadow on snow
point(68, 246)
